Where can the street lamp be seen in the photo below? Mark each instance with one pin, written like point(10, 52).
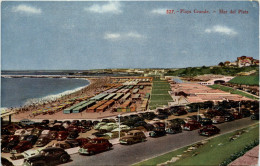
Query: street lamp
point(119, 125)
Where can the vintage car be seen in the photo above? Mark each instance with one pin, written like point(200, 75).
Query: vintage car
point(209, 130)
point(66, 144)
point(26, 122)
point(82, 141)
point(62, 135)
point(6, 162)
point(173, 129)
point(228, 117)
point(22, 146)
point(205, 121)
point(45, 132)
point(180, 112)
point(133, 136)
point(192, 125)
point(255, 115)
point(95, 145)
point(73, 135)
point(237, 115)
point(48, 156)
point(109, 127)
point(140, 123)
point(53, 135)
point(97, 126)
point(122, 128)
point(158, 130)
point(12, 141)
point(42, 141)
point(31, 138)
point(218, 119)
point(37, 132)
point(32, 152)
point(21, 132)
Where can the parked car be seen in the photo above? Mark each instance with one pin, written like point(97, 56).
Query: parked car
point(95, 145)
point(133, 136)
point(158, 130)
point(122, 128)
point(218, 119)
point(97, 126)
point(22, 146)
point(180, 112)
point(42, 141)
point(105, 120)
point(45, 121)
point(26, 122)
point(255, 115)
point(99, 133)
point(109, 127)
point(13, 141)
point(6, 162)
point(161, 116)
point(62, 145)
point(73, 135)
point(237, 115)
point(31, 138)
point(48, 156)
point(192, 125)
point(205, 121)
point(62, 135)
point(209, 130)
point(140, 123)
point(229, 117)
point(173, 129)
point(37, 132)
point(32, 152)
point(82, 141)
point(52, 135)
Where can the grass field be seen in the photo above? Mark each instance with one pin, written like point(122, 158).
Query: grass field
point(212, 153)
point(233, 91)
point(160, 95)
point(245, 80)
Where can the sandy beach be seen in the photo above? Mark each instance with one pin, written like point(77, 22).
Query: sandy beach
point(96, 86)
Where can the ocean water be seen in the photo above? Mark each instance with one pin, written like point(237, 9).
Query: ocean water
point(17, 92)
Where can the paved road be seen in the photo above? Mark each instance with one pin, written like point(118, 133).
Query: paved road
point(127, 155)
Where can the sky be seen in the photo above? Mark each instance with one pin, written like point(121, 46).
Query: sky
point(86, 35)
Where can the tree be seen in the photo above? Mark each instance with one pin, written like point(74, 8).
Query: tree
point(221, 64)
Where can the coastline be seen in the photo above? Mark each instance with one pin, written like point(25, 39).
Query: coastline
point(95, 86)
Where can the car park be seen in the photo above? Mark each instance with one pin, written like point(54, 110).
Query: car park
point(22, 146)
point(192, 125)
point(133, 136)
point(158, 130)
point(48, 156)
point(209, 130)
point(95, 145)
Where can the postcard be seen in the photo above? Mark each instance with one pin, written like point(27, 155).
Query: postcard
point(129, 83)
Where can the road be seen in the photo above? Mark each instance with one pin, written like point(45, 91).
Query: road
point(127, 155)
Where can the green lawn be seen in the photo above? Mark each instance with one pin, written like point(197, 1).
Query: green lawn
point(212, 153)
point(159, 94)
point(233, 91)
point(245, 80)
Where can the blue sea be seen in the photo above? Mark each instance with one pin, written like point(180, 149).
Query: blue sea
point(16, 92)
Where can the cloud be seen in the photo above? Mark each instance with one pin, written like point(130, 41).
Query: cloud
point(27, 9)
point(222, 30)
point(124, 36)
point(110, 7)
point(112, 36)
point(159, 11)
